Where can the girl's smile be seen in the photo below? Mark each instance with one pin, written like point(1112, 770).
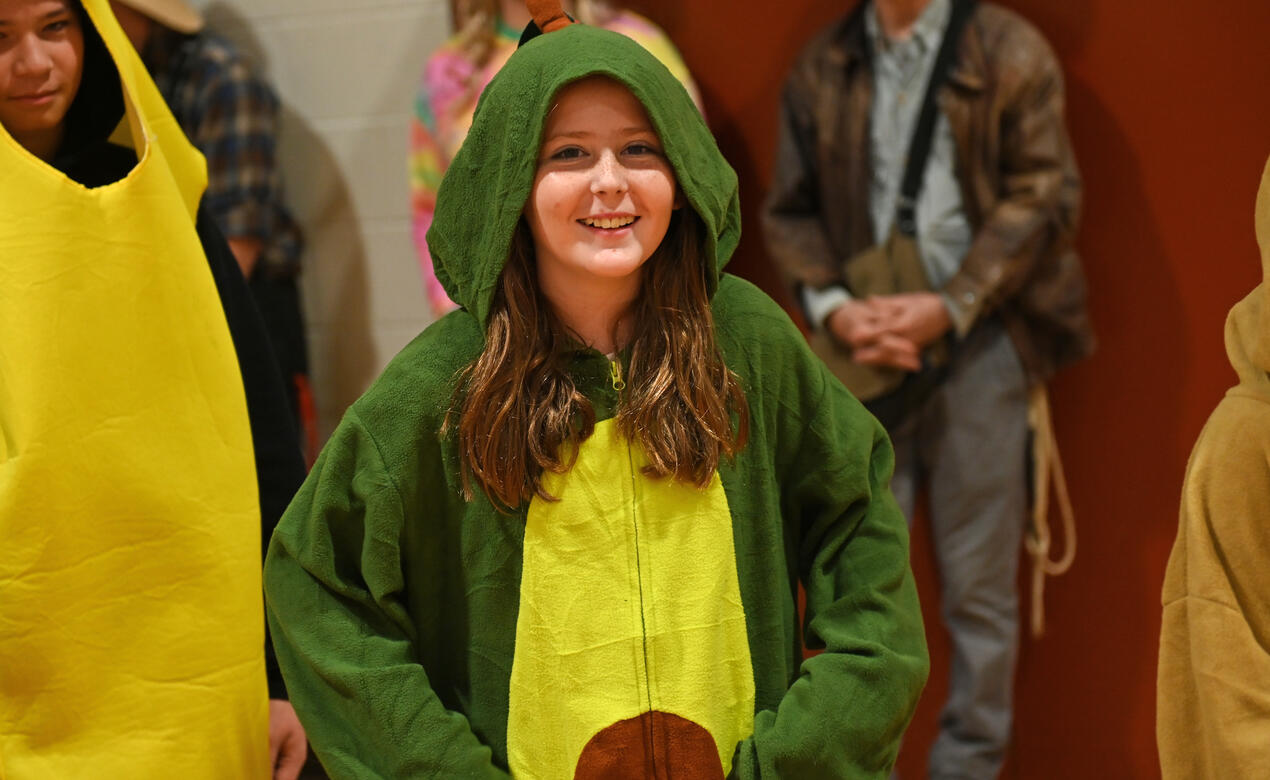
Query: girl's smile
point(610, 224)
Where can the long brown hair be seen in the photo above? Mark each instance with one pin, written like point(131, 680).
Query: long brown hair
point(518, 409)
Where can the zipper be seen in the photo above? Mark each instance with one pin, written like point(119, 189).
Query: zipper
point(650, 744)
point(650, 749)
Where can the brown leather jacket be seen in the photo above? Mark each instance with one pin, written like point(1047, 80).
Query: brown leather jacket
point(1020, 185)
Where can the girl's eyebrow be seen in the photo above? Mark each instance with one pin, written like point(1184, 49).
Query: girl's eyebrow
point(632, 130)
point(65, 9)
point(571, 134)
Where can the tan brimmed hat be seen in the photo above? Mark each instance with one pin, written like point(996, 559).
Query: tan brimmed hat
point(176, 14)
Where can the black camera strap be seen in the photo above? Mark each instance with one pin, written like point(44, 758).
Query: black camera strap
point(924, 133)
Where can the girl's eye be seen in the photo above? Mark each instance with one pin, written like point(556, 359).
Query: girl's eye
point(567, 153)
point(58, 26)
point(641, 148)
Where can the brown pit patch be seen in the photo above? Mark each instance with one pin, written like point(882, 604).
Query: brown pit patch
point(653, 745)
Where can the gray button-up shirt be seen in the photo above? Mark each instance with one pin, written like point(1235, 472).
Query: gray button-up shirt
point(901, 71)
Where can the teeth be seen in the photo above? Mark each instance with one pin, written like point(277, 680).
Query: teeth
point(609, 223)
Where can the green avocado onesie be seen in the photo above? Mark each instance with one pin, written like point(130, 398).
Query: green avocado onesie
point(636, 627)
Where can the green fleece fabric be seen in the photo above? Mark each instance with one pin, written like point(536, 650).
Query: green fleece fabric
point(395, 604)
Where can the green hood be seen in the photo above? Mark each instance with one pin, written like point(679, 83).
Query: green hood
point(488, 183)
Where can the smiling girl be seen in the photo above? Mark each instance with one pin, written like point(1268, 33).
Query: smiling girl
point(563, 535)
point(456, 74)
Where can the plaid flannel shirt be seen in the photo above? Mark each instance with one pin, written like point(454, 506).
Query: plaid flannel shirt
point(231, 115)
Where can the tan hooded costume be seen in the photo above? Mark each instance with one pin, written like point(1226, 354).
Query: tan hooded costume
point(1213, 716)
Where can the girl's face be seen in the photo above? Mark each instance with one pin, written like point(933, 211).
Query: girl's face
point(604, 191)
point(41, 62)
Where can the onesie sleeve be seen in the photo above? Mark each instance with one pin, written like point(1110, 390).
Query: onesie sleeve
point(847, 709)
point(346, 644)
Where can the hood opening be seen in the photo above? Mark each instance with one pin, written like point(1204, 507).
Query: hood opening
point(98, 106)
point(96, 147)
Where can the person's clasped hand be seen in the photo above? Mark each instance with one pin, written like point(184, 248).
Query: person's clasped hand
point(890, 330)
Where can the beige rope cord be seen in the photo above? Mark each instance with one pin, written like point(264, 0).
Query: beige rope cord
point(1047, 466)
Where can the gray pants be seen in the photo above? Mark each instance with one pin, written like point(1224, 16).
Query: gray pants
point(968, 441)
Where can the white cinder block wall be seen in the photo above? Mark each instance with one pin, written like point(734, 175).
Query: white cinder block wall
point(346, 71)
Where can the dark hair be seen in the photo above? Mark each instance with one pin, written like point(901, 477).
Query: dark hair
point(516, 404)
point(98, 104)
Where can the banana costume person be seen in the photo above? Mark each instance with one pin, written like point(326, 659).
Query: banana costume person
point(131, 626)
point(637, 627)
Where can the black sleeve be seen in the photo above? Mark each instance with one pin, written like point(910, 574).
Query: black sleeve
point(279, 462)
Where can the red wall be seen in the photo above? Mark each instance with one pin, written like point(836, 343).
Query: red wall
point(1169, 111)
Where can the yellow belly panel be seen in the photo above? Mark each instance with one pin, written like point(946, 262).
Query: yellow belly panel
point(630, 605)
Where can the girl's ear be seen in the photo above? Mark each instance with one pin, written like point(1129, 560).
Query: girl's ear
point(679, 201)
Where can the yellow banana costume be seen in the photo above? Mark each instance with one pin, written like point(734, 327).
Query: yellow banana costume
point(131, 631)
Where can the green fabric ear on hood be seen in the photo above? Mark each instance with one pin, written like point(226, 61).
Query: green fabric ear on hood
point(485, 189)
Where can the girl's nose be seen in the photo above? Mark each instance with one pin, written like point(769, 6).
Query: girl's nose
point(609, 174)
point(31, 59)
